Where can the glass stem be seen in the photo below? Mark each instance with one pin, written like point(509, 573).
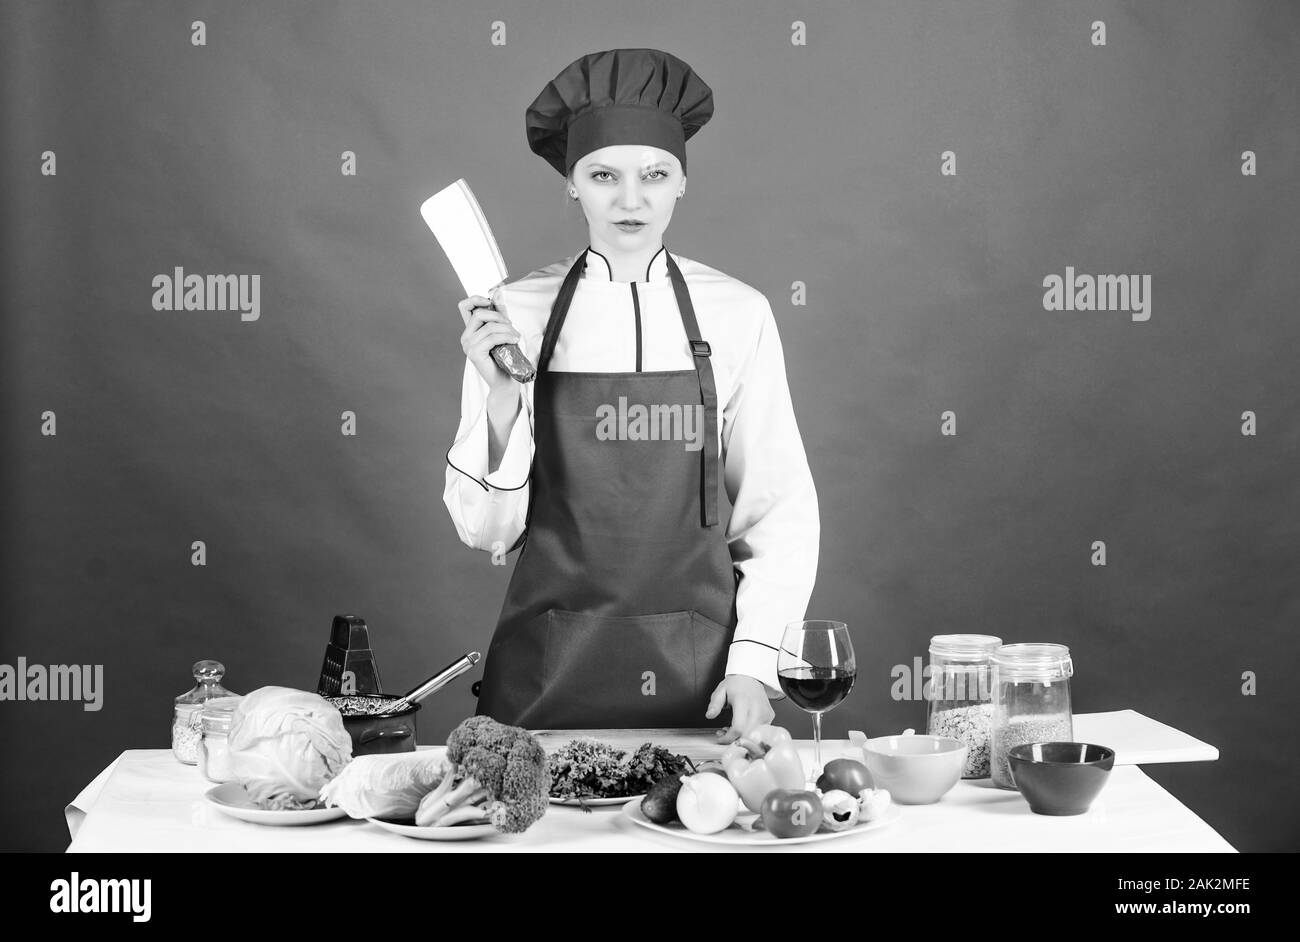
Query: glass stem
point(817, 744)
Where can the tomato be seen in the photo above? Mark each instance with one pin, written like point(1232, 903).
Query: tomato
point(845, 775)
point(788, 812)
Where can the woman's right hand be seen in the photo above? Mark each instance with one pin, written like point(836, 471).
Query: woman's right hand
point(485, 328)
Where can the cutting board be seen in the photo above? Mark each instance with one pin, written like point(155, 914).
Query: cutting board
point(1137, 739)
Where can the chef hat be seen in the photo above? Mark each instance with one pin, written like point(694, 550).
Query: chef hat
point(622, 96)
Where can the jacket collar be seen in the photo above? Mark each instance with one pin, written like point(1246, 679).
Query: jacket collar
point(599, 269)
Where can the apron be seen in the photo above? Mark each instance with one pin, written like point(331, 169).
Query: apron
point(622, 605)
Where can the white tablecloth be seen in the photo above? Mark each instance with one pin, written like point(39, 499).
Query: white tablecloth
point(147, 801)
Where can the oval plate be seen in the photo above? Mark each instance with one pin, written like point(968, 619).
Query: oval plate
point(594, 802)
point(743, 831)
point(232, 799)
point(457, 832)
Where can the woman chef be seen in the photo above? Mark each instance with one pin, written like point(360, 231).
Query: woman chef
point(658, 380)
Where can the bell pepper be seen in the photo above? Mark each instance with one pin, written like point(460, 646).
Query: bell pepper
point(762, 762)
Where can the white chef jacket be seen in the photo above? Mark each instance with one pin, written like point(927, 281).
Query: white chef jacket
point(774, 530)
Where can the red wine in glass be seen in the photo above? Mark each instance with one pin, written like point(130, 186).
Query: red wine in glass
point(816, 689)
point(816, 668)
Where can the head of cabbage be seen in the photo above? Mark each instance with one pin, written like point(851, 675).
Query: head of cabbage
point(285, 744)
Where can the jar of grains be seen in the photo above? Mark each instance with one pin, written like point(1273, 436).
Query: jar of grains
point(1031, 700)
point(187, 716)
point(214, 747)
point(960, 695)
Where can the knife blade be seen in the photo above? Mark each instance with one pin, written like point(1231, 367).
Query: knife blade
point(456, 220)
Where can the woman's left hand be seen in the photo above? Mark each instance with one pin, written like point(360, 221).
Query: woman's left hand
point(747, 698)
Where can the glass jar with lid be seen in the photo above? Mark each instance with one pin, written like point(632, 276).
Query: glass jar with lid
point(960, 695)
point(1031, 701)
point(187, 726)
point(214, 746)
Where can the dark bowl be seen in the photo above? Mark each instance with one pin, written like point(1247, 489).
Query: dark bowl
point(376, 735)
point(1060, 777)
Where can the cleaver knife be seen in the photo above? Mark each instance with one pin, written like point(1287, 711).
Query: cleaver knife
point(458, 223)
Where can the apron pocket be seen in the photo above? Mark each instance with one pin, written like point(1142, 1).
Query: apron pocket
point(712, 645)
point(604, 671)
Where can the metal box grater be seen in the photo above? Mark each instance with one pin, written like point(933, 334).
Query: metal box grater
point(348, 652)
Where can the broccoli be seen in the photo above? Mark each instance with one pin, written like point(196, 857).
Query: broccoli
point(497, 774)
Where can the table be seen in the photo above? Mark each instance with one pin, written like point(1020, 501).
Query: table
point(147, 801)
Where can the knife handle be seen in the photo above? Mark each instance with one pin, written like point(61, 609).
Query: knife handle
point(511, 359)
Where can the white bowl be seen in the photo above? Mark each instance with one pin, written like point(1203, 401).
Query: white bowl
point(916, 770)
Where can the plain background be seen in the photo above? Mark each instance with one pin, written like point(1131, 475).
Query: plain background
point(924, 294)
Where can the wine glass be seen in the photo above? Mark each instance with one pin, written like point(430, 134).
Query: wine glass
point(816, 669)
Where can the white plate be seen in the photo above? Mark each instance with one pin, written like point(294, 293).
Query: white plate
point(595, 802)
point(743, 830)
point(232, 799)
point(457, 832)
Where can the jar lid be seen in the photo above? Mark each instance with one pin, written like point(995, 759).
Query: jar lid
point(218, 712)
point(207, 686)
point(222, 704)
point(966, 646)
point(1042, 662)
point(216, 722)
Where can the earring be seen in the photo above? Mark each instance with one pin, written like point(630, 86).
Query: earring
point(573, 194)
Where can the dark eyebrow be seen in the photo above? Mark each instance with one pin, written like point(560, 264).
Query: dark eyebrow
point(657, 163)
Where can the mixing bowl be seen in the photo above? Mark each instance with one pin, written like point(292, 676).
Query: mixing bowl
point(916, 770)
point(1060, 777)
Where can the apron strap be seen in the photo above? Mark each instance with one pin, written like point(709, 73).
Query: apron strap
point(701, 352)
point(559, 311)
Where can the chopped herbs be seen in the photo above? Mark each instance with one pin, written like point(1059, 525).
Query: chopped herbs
point(588, 768)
